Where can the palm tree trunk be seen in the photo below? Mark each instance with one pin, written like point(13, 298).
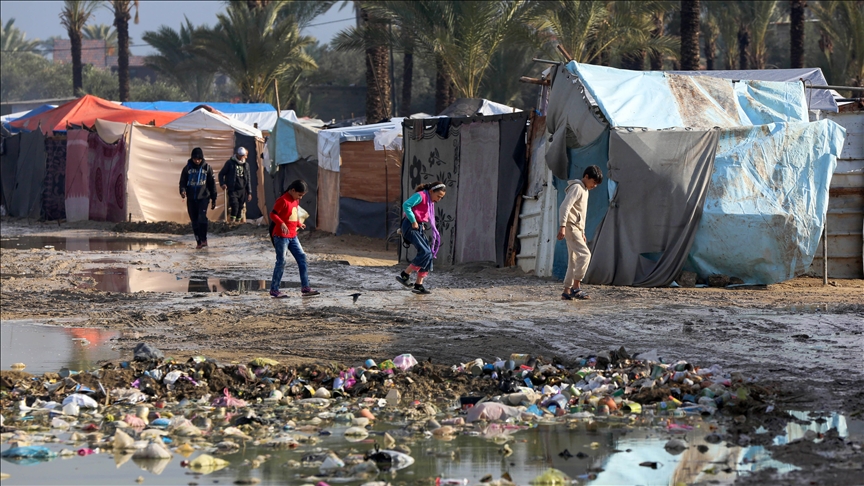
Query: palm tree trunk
point(744, 48)
point(655, 57)
point(77, 74)
point(796, 33)
point(121, 23)
point(442, 86)
point(690, 35)
point(407, 80)
point(710, 51)
point(377, 84)
point(633, 62)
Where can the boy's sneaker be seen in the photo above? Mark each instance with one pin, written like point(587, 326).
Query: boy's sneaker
point(579, 295)
point(204, 244)
point(309, 292)
point(567, 296)
point(278, 295)
point(420, 289)
point(403, 279)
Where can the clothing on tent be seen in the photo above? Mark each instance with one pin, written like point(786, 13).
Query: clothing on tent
point(662, 181)
point(107, 179)
point(26, 198)
point(8, 167)
point(767, 201)
point(157, 155)
point(54, 187)
point(512, 169)
point(475, 238)
point(77, 175)
point(433, 158)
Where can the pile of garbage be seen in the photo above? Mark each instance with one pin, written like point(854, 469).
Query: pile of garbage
point(153, 407)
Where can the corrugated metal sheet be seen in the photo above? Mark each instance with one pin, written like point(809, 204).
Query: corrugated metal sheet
point(845, 221)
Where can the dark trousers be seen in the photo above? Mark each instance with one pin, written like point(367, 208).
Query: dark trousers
point(236, 200)
point(198, 215)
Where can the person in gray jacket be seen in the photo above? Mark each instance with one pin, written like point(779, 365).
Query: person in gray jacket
point(235, 181)
point(572, 215)
point(197, 182)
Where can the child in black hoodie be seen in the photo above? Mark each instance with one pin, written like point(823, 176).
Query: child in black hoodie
point(197, 180)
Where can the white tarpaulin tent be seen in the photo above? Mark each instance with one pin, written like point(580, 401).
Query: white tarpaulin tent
point(203, 119)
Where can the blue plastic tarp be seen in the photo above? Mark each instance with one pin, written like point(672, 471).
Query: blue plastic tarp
point(282, 143)
point(185, 106)
point(767, 201)
point(33, 112)
point(654, 99)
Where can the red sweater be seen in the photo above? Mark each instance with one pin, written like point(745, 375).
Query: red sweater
point(285, 211)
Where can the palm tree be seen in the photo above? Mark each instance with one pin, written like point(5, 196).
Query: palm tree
point(796, 33)
point(122, 15)
point(102, 31)
point(13, 40)
point(711, 31)
point(762, 12)
point(254, 48)
point(726, 16)
point(842, 45)
point(74, 15)
point(690, 35)
point(378, 106)
point(177, 62)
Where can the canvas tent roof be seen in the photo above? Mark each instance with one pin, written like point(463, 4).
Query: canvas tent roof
point(476, 106)
point(7, 119)
point(85, 111)
point(820, 99)
point(329, 140)
point(202, 118)
point(249, 113)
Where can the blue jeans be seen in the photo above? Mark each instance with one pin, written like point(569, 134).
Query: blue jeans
point(418, 238)
point(283, 246)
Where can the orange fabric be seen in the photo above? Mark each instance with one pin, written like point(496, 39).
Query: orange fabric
point(86, 110)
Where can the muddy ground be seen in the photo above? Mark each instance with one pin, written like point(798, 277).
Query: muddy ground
point(801, 337)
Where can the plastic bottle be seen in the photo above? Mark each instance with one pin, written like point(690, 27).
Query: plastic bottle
point(443, 481)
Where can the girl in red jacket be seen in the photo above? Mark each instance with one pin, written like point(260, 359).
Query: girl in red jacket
point(285, 221)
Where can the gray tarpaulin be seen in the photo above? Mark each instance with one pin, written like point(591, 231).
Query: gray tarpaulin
point(26, 200)
point(277, 183)
point(511, 177)
point(8, 167)
point(570, 120)
point(652, 219)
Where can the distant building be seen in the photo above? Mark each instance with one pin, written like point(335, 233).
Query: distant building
point(95, 53)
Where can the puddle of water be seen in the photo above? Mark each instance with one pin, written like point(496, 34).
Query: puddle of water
point(604, 453)
point(45, 348)
point(128, 280)
point(83, 243)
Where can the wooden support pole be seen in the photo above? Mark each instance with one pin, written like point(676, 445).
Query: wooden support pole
point(564, 52)
point(542, 82)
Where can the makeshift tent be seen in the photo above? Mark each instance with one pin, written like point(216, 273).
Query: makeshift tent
point(292, 150)
point(245, 136)
point(249, 113)
point(25, 197)
point(54, 186)
point(107, 178)
point(8, 167)
point(758, 125)
point(7, 119)
point(77, 181)
point(85, 111)
point(358, 186)
point(476, 106)
point(157, 156)
point(482, 162)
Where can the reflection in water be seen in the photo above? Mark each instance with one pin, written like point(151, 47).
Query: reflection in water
point(125, 280)
point(82, 243)
point(46, 348)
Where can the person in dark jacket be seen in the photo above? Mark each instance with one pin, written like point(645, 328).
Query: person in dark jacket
point(197, 181)
point(235, 181)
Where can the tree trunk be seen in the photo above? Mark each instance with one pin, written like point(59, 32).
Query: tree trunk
point(77, 69)
point(377, 84)
point(407, 81)
point(710, 51)
point(121, 23)
point(633, 62)
point(796, 33)
point(655, 57)
point(690, 35)
point(744, 48)
point(442, 86)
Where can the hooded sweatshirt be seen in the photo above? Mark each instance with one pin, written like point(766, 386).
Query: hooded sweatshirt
point(574, 209)
point(235, 175)
point(197, 181)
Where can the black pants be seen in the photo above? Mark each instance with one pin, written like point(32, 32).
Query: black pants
point(198, 215)
point(236, 200)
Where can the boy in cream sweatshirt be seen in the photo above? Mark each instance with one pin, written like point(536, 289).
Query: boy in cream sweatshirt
point(572, 215)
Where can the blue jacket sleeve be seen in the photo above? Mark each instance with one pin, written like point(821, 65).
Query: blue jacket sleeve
point(409, 204)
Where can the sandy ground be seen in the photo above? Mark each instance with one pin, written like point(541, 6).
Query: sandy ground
point(800, 336)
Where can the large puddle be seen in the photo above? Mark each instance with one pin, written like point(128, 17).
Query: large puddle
point(601, 453)
point(83, 243)
point(123, 279)
point(44, 348)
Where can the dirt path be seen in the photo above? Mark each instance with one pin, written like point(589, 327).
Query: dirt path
point(800, 335)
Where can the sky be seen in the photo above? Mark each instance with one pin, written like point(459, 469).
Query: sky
point(40, 19)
